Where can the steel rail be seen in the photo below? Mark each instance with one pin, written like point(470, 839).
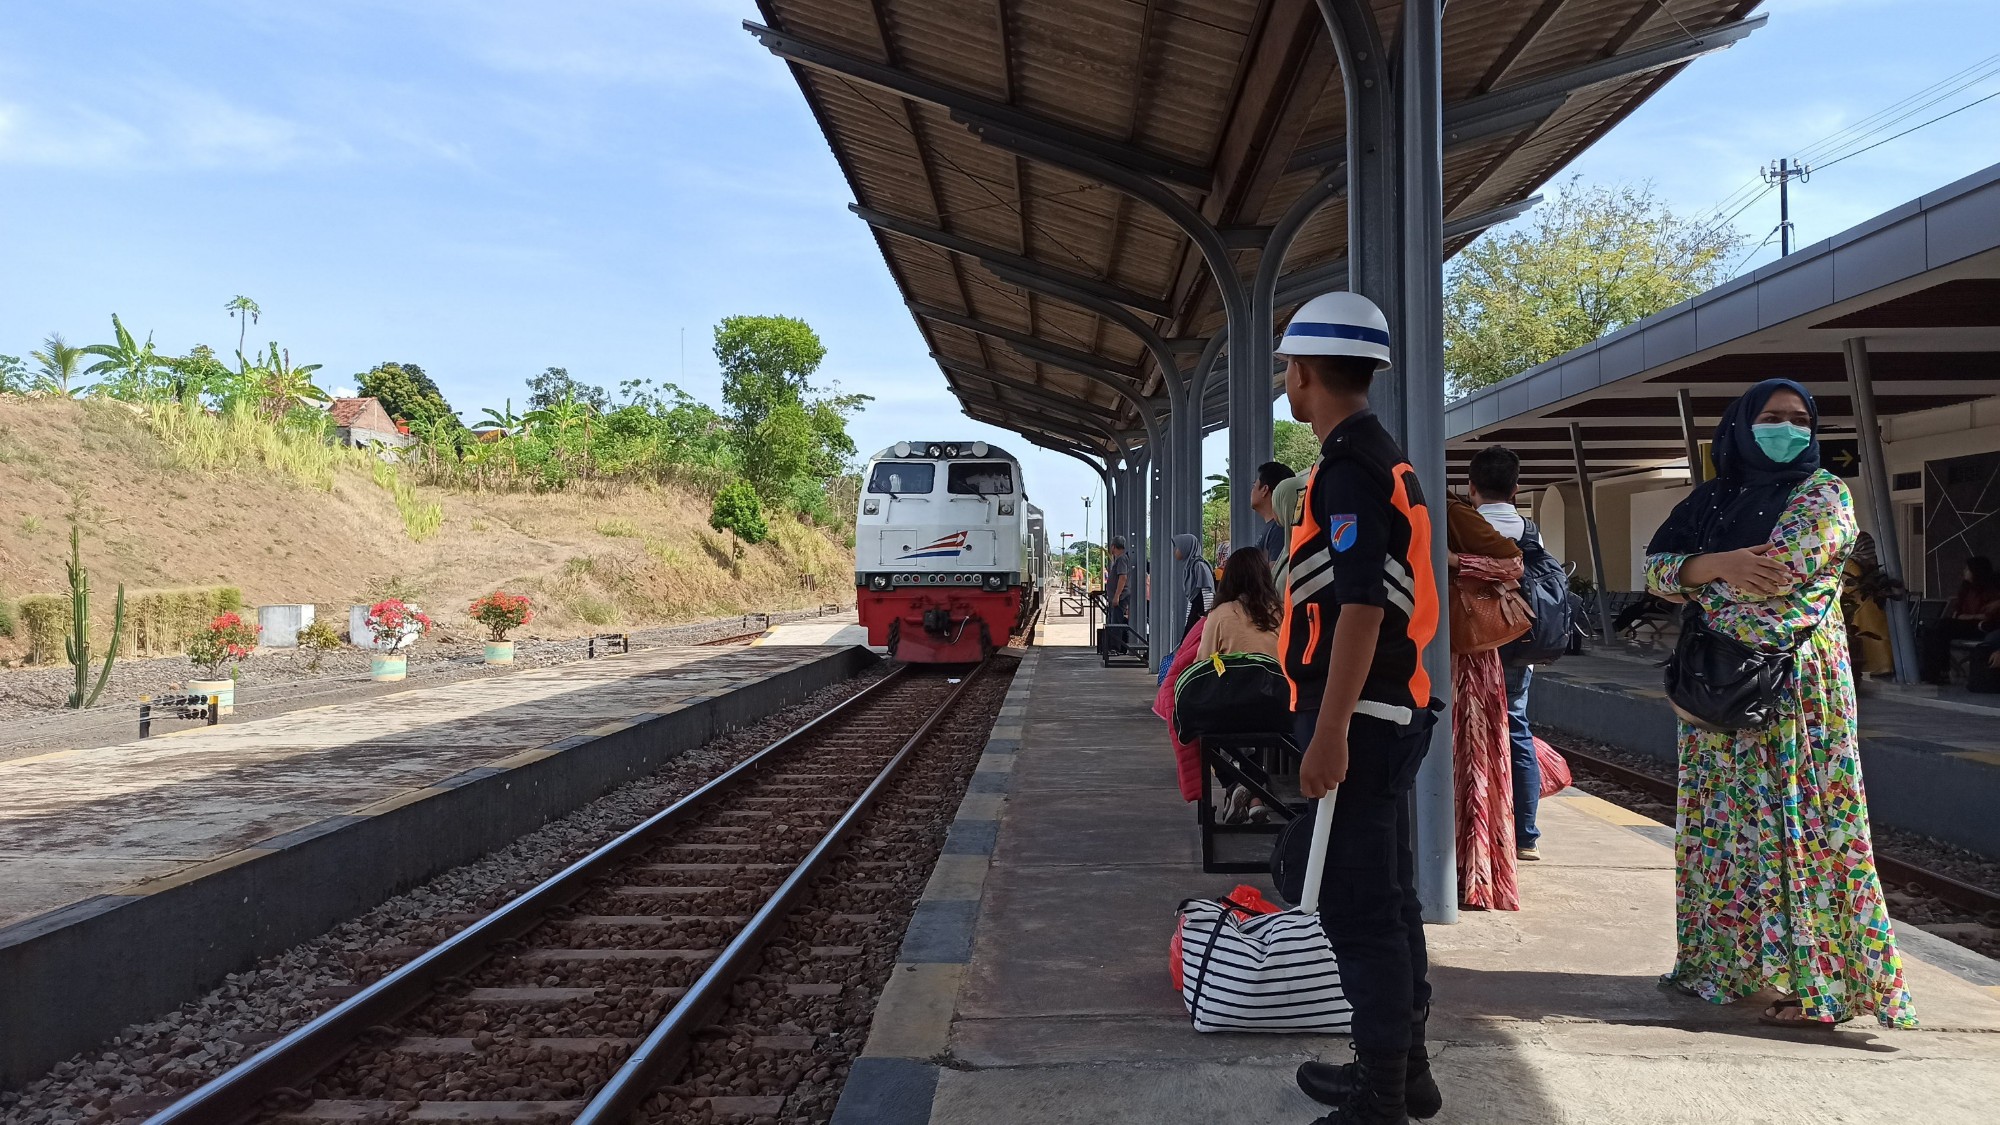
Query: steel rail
point(666, 1047)
point(294, 1061)
point(1965, 896)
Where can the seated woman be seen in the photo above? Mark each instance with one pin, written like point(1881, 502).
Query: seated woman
point(1973, 613)
point(1245, 618)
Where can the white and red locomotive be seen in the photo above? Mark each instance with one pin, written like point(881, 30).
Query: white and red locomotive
point(949, 556)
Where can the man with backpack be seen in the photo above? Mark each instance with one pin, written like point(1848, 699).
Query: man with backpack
point(1494, 478)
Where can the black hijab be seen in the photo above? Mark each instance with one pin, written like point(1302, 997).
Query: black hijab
point(1742, 504)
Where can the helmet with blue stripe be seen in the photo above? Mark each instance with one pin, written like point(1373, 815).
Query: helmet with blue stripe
point(1338, 324)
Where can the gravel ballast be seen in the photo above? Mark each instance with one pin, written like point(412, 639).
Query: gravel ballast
point(148, 1065)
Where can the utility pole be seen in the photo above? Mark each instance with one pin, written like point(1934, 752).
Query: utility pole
point(1782, 174)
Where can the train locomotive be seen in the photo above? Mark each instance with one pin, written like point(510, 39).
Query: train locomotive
point(949, 556)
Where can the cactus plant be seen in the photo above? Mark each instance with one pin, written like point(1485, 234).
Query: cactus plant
point(77, 644)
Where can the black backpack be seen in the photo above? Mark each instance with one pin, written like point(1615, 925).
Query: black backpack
point(1232, 693)
point(1545, 587)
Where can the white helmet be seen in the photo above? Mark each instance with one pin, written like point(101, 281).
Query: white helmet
point(1338, 324)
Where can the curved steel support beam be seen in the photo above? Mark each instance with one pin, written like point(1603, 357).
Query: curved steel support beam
point(995, 258)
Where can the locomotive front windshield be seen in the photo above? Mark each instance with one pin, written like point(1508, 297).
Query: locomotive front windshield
point(903, 478)
point(980, 478)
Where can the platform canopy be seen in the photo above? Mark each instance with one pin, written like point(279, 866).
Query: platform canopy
point(1916, 290)
point(975, 135)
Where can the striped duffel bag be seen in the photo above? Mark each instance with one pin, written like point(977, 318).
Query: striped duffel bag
point(1263, 972)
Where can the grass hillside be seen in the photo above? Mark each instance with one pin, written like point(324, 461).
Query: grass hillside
point(173, 501)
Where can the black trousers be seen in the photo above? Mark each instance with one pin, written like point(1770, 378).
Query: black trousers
point(1368, 898)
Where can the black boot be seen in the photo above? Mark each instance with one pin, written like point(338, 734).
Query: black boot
point(1376, 1096)
point(1332, 1083)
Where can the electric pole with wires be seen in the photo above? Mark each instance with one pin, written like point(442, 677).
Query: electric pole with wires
point(1781, 175)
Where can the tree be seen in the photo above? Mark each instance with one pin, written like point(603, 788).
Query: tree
point(200, 373)
point(406, 393)
point(786, 444)
point(1218, 489)
point(555, 384)
point(13, 376)
point(127, 369)
point(245, 312)
point(1293, 444)
point(766, 362)
point(738, 511)
point(1590, 262)
point(59, 367)
point(279, 386)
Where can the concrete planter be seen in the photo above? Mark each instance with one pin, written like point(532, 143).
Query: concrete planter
point(223, 690)
point(383, 668)
point(280, 624)
point(499, 652)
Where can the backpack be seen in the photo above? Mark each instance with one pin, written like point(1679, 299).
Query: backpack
point(1557, 612)
point(1232, 693)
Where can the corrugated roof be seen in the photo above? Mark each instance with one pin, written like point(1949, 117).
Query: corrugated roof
point(1235, 104)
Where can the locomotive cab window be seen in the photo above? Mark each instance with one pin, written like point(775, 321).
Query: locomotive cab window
point(980, 478)
point(903, 478)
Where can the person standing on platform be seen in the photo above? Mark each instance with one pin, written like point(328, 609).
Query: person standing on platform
point(1360, 606)
point(1493, 480)
point(1197, 580)
point(1117, 584)
point(1775, 880)
point(1482, 776)
point(1271, 537)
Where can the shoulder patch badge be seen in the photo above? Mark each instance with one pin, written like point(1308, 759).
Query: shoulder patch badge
point(1342, 530)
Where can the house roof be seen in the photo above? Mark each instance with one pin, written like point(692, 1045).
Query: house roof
point(345, 410)
point(1919, 283)
point(1235, 106)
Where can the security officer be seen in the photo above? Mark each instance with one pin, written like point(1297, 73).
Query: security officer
point(1360, 605)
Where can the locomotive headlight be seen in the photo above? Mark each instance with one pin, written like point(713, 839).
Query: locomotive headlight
point(870, 507)
point(979, 449)
point(994, 581)
point(902, 449)
point(1006, 507)
point(879, 582)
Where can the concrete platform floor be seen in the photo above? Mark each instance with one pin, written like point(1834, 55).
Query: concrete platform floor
point(79, 823)
point(1064, 1012)
point(842, 628)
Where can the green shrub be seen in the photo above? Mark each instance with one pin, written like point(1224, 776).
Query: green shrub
point(318, 639)
point(7, 623)
point(617, 529)
point(45, 619)
point(163, 620)
point(421, 518)
point(738, 511)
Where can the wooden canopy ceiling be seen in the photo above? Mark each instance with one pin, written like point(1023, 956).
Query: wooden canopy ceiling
point(1236, 105)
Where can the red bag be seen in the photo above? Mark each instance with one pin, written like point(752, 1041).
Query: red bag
point(1555, 771)
point(1247, 899)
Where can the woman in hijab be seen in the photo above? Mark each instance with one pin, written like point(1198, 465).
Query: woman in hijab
point(1775, 876)
point(1197, 580)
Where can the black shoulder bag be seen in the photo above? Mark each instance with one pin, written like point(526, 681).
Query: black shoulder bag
point(1721, 685)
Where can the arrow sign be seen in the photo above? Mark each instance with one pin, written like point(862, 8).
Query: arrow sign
point(1841, 456)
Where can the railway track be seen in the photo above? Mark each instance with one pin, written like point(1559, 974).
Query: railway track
point(579, 999)
point(1897, 872)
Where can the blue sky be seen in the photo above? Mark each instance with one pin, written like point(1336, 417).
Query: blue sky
point(489, 188)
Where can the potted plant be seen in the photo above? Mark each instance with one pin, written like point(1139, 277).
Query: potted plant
point(501, 611)
point(395, 627)
point(227, 638)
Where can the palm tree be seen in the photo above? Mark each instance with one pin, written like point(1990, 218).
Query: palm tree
point(280, 386)
point(131, 363)
point(59, 365)
point(247, 309)
point(1218, 488)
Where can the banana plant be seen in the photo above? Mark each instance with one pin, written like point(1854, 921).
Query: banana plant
point(127, 368)
point(280, 386)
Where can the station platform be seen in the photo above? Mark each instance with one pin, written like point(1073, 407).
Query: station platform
point(842, 628)
point(1932, 764)
point(1034, 989)
point(135, 877)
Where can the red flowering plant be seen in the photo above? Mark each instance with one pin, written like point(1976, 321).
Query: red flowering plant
point(396, 625)
point(500, 612)
point(226, 638)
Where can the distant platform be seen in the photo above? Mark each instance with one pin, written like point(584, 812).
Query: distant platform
point(1034, 985)
point(842, 628)
point(134, 877)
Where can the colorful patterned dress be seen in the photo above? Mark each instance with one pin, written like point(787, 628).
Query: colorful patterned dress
point(1775, 881)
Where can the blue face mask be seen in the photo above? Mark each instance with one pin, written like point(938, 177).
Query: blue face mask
point(1782, 442)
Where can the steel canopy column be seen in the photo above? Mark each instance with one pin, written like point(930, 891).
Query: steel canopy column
point(1419, 341)
point(1881, 507)
point(1374, 245)
point(1589, 492)
point(1689, 436)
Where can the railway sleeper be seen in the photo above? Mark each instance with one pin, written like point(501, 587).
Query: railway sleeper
point(373, 1110)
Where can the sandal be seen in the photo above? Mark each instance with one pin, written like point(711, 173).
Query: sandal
point(1773, 1016)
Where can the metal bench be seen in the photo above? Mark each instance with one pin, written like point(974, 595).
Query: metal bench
point(1256, 759)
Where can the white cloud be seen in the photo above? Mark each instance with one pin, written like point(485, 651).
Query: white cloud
point(158, 124)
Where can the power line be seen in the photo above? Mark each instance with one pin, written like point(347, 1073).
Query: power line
point(1912, 129)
